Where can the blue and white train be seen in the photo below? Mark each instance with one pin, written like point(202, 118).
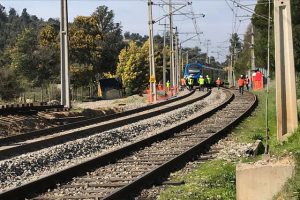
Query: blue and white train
point(197, 69)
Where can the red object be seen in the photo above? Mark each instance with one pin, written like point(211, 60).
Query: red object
point(183, 83)
point(241, 82)
point(159, 86)
point(257, 81)
point(218, 82)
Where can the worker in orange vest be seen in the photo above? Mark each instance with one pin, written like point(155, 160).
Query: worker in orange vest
point(241, 83)
point(218, 82)
point(159, 86)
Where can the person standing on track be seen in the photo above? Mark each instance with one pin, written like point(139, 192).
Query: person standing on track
point(201, 82)
point(241, 83)
point(218, 82)
point(208, 82)
point(190, 82)
point(168, 85)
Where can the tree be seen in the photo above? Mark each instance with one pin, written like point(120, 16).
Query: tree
point(9, 86)
point(111, 40)
point(133, 67)
point(244, 62)
point(22, 57)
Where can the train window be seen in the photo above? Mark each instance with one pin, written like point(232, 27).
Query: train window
point(194, 69)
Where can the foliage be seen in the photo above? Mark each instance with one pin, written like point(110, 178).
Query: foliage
point(133, 67)
point(81, 74)
point(212, 180)
point(22, 55)
point(9, 87)
point(244, 62)
point(140, 40)
point(111, 40)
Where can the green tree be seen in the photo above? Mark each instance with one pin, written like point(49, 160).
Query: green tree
point(9, 86)
point(22, 55)
point(133, 67)
point(244, 62)
point(111, 40)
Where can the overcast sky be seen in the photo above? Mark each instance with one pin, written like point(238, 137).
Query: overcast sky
point(217, 25)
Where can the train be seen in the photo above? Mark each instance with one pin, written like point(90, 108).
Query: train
point(197, 69)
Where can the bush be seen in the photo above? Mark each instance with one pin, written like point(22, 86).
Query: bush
point(9, 87)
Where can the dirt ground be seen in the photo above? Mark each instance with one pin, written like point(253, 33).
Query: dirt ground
point(16, 124)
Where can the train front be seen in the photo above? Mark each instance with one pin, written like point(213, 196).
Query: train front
point(194, 70)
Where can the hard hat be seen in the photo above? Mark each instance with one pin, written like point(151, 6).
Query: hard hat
point(201, 76)
point(219, 78)
point(241, 75)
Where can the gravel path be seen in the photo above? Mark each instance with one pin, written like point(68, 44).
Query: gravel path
point(28, 167)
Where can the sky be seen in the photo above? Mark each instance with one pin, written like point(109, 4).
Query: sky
point(217, 24)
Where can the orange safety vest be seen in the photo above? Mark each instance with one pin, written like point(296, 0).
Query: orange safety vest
point(218, 82)
point(241, 82)
point(183, 81)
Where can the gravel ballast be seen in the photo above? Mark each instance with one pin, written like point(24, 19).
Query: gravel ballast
point(22, 169)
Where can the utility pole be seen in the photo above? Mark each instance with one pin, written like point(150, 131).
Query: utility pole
point(252, 49)
point(172, 70)
point(151, 54)
point(64, 56)
point(286, 103)
point(207, 57)
point(187, 57)
point(164, 58)
point(176, 60)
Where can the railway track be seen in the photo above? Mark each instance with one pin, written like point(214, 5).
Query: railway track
point(33, 141)
point(27, 108)
point(123, 172)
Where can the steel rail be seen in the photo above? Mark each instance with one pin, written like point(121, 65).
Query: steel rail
point(47, 131)
point(59, 139)
point(64, 175)
point(155, 176)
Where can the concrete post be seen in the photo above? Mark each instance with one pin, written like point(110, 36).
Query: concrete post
point(172, 70)
point(164, 59)
point(64, 56)
point(151, 54)
point(252, 49)
point(286, 105)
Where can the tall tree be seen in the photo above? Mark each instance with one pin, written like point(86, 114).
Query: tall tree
point(111, 39)
point(133, 67)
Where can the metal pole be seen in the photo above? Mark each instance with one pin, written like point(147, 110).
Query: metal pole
point(151, 54)
point(64, 56)
point(164, 59)
point(172, 74)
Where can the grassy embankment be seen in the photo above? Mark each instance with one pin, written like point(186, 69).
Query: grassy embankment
point(216, 179)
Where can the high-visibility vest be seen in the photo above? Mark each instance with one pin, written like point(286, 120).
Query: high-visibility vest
point(191, 81)
point(168, 84)
point(201, 81)
point(241, 82)
point(208, 80)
